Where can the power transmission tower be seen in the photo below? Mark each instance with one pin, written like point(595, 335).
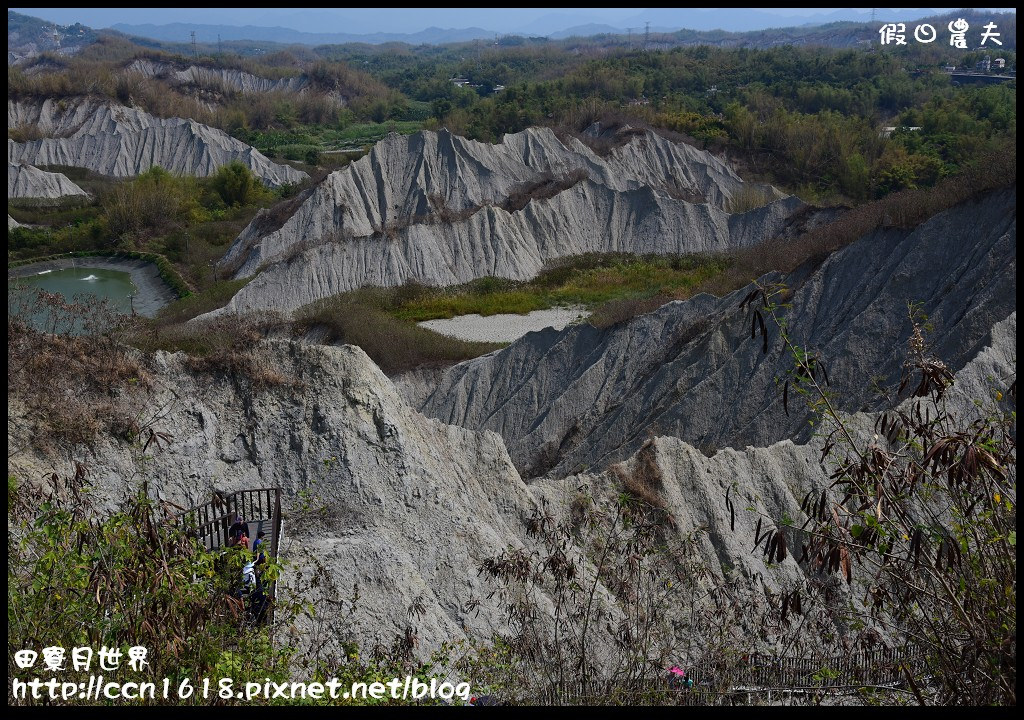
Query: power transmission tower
point(873, 11)
point(218, 44)
point(629, 41)
point(647, 35)
point(195, 53)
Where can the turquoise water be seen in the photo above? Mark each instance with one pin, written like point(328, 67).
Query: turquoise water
point(77, 284)
point(111, 284)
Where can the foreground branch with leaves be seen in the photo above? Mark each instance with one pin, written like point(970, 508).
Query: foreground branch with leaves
point(920, 513)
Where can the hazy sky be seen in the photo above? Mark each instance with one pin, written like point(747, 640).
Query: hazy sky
point(408, 20)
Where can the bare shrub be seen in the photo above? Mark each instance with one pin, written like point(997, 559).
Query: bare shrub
point(615, 312)
point(609, 140)
point(593, 606)
point(922, 514)
point(442, 212)
point(645, 482)
point(678, 191)
point(66, 363)
point(544, 187)
point(229, 346)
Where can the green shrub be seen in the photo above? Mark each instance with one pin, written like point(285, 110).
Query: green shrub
point(154, 202)
point(235, 185)
point(126, 580)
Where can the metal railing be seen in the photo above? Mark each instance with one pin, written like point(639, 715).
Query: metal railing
point(261, 509)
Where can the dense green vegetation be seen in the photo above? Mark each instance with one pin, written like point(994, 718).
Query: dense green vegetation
point(809, 120)
point(188, 221)
point(307, 142)
point(77, 577)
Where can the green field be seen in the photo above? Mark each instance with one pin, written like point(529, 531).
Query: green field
point(295, 144)
point(588, 280)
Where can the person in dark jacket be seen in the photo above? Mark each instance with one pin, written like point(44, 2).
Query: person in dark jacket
point(235, 532)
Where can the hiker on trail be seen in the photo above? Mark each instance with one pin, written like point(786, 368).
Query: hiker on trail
point(259, 547)
point(243, 540)
point(248, 576)
point(679, 678)
point(235, 532)
point(254, 593)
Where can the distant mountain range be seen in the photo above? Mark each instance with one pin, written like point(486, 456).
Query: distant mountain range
point(554, 25)
point(182, 32)
point(723, 27)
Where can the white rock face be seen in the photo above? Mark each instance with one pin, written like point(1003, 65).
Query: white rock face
point(428, 208)
point(31, 183)
point(12, 223)
point(586, 397)
point(228, 79)
point(119, 141)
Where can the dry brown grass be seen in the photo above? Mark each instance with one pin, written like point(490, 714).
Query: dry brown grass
point(441, 212)
point(230, 346)
point(25, 133)
point(361, 318)
point(750, 197)
point(902, 210)
point(645, 482)
point(74, 386)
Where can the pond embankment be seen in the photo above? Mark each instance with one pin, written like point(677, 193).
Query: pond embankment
point(153, 293)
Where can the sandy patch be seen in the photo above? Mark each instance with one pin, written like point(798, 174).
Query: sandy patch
point(504, 328)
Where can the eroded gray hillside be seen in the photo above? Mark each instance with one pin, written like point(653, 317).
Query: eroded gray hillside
point(439, 209)
point(119, 141)
point(402, 505)
point(222, 79)
point(406, 508)
point(26, 182)
point(585, 397)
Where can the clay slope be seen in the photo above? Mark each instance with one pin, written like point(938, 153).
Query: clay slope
point(585, 397)
point(394, 502)
point(772, 481)
point(119, 141)
point(438, 209)
point(31, 183)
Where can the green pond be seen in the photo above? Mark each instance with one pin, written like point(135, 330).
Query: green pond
point(78, 283)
